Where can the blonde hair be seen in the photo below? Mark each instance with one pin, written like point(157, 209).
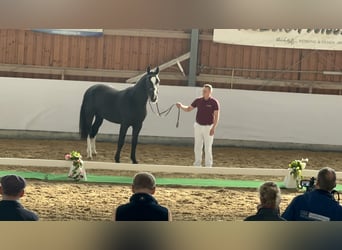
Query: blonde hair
point(209, 86)
point(270, 194)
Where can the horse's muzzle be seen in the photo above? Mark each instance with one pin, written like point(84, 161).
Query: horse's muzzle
point(154, 99)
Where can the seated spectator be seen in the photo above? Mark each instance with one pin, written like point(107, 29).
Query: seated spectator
point(142, 206)
point(319, 204)
point(12, 189)
point(268, 209)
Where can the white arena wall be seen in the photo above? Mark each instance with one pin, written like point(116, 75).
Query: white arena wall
point(50, 108)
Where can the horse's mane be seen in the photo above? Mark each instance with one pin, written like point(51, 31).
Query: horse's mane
point(142, 79)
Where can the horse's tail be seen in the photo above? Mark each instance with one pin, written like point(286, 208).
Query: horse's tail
point(83, 126)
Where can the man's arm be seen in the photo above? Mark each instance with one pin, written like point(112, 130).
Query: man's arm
point(216, 120)
point(184, 108)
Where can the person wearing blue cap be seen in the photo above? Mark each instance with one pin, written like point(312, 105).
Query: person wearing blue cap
point(12, 188)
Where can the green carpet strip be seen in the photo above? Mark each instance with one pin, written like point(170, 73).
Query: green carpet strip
point(191, 182)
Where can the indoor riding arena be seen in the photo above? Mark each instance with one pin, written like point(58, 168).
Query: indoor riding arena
point(278, 103)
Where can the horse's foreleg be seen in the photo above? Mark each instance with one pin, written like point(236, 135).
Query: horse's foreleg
point(121, 141)
point(135, 135)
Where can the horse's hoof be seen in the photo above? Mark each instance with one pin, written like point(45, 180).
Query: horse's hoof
point(117, 160)
point(135, 162)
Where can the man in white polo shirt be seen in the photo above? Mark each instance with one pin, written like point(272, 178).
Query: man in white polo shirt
point(207, 117)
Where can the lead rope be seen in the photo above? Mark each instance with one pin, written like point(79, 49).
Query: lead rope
point(178, 117)
point(166, 112)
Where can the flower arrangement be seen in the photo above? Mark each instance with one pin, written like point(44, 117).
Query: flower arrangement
point(296, 167)
point(77, 170)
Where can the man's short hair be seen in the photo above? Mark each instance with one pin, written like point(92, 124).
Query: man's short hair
point(12, 185)
point(144, 180)
point(270, 194)
point(209, 86)
point(326, 179)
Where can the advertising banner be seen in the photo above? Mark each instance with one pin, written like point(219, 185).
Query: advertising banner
point(318, 39)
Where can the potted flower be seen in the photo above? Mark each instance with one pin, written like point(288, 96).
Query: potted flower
point(294, 175)
point(77, 170)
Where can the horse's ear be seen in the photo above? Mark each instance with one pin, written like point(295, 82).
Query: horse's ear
point(157, 70)
point(148, 70)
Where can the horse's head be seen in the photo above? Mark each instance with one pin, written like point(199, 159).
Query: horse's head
point(152, 84)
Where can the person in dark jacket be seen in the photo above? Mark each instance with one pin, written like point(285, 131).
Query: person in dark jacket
point(268, 209)
point(12, 189)
point(316, 205)
point(142, 205)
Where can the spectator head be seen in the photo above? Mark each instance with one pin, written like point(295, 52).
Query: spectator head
point(270, 196)
point(326, 179)
point(12, 186)
point(144, 182)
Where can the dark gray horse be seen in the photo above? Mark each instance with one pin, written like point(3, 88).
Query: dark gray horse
point(126, 107)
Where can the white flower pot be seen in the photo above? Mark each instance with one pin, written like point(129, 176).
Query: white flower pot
point(80, 171)
point(290, 181)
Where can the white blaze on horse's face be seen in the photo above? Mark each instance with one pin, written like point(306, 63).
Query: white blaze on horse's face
point(155, 82)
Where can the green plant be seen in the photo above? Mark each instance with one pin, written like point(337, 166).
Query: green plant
point(297, 167)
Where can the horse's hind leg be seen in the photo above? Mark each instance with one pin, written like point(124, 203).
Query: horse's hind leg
point(89, 154)
point(92, 136)
point(121, 141)
point(89, 120)
point(135, 134)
